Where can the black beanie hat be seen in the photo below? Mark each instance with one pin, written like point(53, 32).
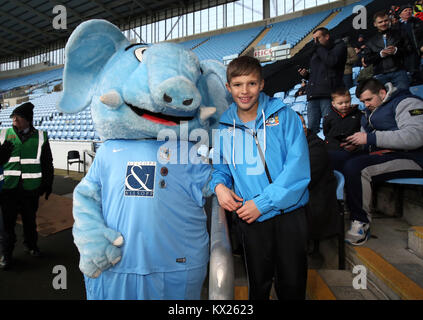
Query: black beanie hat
point(24, 111)
point(403, 7)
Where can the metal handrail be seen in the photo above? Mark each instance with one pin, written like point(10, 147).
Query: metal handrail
point(221, 273)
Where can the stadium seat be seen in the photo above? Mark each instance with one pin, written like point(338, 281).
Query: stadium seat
point(280, 95)
point(302, 98)
point(417, 90)
point(74, 157)
point(289, 100)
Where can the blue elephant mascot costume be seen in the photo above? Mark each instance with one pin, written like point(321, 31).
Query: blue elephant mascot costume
point(140, 225)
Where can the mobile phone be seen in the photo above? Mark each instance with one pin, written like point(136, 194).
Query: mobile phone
point(341, 138)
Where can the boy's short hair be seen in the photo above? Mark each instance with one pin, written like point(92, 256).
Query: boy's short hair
point(370, 84)
point(243, 66)
point(340, 92)
point(380, 14)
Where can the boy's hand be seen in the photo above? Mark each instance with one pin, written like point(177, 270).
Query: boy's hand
point(227, 199)
point(248, 212)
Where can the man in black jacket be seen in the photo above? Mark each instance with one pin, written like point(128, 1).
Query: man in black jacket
point(413, 28)
point(386, 51)
point(28, 174)
point(326, 73)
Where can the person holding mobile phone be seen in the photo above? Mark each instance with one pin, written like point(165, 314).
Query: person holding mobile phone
point(391, 138)
point(326, 72)
point(386, 51)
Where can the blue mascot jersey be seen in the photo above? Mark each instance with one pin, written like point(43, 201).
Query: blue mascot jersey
point(157, 206)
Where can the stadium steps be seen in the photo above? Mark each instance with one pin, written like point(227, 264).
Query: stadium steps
point(415, 240)
point(309, 37)
point(255, 42)
point(393, 267)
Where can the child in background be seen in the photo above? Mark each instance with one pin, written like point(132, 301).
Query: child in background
point(342, 121)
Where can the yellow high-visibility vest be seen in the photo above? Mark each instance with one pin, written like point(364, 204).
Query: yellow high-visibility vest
point(24, 161)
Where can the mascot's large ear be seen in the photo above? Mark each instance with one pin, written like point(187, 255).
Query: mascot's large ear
point(212, 87)
point(87, 51)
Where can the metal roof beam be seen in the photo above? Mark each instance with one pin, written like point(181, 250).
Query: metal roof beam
point(33, 10)
point(17, 34)
point(26, 24)
point(102, 6)
point(143, 6)
point(13, 44)
point(8, 52)
point(72, 11)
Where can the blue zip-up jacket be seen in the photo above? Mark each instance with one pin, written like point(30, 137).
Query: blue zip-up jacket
point(237, 162)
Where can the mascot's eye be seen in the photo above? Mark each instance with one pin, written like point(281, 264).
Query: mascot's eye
point(139, 53)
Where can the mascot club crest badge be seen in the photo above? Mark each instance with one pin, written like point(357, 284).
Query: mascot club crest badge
point(272, 121)
point(139, 180)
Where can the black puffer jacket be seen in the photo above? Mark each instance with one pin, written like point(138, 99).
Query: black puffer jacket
point(390, 63)
point(326, 69)
point(336, 125)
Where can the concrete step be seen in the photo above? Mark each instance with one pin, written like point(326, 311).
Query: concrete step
point(385, 276)
point(415, 240)
point(389, 261)
point(393, 272)
point(325, 284)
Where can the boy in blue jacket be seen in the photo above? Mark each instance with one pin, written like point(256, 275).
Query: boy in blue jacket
point(260, 150)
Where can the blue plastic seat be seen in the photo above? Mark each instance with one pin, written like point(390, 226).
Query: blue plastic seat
point(340, 188)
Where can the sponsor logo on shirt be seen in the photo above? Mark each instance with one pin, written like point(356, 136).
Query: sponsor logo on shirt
point(139, 180)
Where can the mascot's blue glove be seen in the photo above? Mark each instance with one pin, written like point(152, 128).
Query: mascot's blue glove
point(98, 245)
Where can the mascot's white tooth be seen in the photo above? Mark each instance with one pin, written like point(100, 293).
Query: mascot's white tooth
point(206, 112)
point(112, 99)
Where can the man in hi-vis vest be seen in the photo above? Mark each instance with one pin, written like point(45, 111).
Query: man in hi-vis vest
point(27, 175)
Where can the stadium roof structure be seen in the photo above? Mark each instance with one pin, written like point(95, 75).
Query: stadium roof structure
point(27, 25)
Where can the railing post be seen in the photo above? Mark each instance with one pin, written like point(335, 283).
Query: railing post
point(221, 273)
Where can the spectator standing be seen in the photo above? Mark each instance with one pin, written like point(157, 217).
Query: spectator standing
point(326, 72)
point(359, 46)
point(386, 51)
point(413, 28)
point(352, 59)
point(392, 139)
point(270, 192)
point(28, 174)
point(5, 152)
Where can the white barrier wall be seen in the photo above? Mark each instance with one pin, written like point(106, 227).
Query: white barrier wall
point(60, 149)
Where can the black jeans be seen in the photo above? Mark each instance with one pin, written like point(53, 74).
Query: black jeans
point(276, 247)
point(16, 201)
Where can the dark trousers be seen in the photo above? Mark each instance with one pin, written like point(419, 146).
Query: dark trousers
point(16, 201)
point(361, 170)
point(276, 247)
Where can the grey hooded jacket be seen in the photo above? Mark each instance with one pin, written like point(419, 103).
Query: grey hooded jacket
point(397, 124)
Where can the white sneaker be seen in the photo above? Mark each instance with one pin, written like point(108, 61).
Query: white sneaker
point(358, 233)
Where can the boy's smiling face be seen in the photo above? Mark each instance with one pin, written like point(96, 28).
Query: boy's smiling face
point(245, 91)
